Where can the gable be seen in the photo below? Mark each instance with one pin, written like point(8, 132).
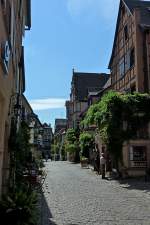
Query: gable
point(85, 82)
point(122, 7)
point(130, 5)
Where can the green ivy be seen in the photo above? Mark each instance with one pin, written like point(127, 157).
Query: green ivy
point(71, 135)
point(20, 152)
point(112, 112)
point(86, 141)
point(71, 148)
point(19, 206)
point(72, 143)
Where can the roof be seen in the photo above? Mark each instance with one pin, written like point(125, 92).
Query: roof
point(94, 93)
point(60, 120)
point(27, 103)
point(143, 6)
point(37, 119)
point(132, 4)
point(45, 125)
point(83, 83)
point(108, 84)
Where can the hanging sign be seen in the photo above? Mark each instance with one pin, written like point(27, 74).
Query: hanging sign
point(5, 55)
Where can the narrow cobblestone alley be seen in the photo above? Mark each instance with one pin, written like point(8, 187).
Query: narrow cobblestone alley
point(78, 196)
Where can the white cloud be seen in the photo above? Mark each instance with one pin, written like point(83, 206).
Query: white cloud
point(103, 9)
point(50, 103)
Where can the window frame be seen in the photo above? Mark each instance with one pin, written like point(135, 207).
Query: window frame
point(126, 33)
point(135, 152)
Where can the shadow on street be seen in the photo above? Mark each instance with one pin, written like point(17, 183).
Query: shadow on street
point(135, 184)
point(44, 211)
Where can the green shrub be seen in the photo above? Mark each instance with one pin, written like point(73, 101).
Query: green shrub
point(19, 208)
point(86, 141)
point(71, 148)
point(112, 112)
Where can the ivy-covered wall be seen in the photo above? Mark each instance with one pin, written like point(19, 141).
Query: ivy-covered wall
point(120, 117)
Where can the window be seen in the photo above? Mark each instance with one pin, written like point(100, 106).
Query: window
point(133, 89)
point(132, 57)
point(126, 34)
point(127, 61)
point(121, 67)
point(78, 107)
point(142, 132)
point(138, 153)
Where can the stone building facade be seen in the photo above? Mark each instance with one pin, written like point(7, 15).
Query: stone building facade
point(47, 136)
point(59, 125)
point(15, 18)
point(35, 127)
point(81, 86)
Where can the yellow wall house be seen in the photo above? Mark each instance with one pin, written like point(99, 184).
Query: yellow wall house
point(15, 18)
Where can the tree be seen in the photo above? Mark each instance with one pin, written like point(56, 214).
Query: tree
point(86, 141)
point(71, 135)
point(72, 143)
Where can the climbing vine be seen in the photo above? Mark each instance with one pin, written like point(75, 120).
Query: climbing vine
point(86, 142)
point(72, 143)
point(19, 205)
point(119, 117)
point(20, 152)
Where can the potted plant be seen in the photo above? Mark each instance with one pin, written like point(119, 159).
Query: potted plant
point(84, 161)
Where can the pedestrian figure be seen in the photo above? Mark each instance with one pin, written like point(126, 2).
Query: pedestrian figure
point(97, 160)
point(46, 157)
point(98, 163)
point(108, 165)
point(102, 165)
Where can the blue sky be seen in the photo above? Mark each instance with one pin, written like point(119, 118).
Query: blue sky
point(65, 34)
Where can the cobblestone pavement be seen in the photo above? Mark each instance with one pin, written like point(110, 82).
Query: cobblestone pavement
point(78, 196)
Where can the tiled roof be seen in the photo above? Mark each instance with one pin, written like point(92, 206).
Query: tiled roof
point(108, 83)
point(143, 6)
point(60, 121)
point(132, 4)
point(82, 83)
